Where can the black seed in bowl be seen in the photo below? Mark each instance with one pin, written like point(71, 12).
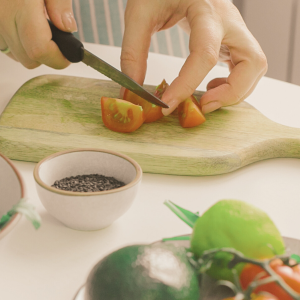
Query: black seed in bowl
point(88, 183)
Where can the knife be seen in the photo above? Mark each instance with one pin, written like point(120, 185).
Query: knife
point(74, 51)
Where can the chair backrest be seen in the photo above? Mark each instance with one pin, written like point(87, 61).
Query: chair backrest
point(102, 22)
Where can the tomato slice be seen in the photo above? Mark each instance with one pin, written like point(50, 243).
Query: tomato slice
point(160, 89)
point(152, 112)
point(189, 113)
point(290, 275)
point(121, 116)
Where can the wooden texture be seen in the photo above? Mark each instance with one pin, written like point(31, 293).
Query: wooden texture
point(52, 113)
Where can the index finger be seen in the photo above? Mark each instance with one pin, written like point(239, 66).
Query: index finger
point(36, 37)
point(205, 41)
point(136, 41)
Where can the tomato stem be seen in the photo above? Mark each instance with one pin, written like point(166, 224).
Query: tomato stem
point(238, 257)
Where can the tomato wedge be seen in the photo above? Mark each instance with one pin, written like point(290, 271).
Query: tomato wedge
point(121, 116)
point(152, 112)
point(290, 275)
point(189, 113)
point(160, 89)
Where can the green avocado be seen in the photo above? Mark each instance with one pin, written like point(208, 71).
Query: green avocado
point(144, 272)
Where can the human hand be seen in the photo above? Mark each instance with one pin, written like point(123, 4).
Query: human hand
point(25, 31)
point(217, 31)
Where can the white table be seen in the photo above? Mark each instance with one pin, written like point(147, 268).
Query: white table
point(53, 262)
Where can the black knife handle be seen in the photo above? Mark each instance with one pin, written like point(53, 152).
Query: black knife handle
point(69, 46)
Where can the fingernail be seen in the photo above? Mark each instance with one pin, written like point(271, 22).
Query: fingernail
point(211, 106)
point(172, 105)
point(69, 22)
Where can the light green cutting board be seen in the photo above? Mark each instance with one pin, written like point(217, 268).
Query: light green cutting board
point(52, 113)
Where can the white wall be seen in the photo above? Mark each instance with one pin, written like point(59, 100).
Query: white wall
point(276, 26)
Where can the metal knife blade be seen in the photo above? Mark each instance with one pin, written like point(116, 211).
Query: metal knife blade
point(103, 67)
point(74, 51)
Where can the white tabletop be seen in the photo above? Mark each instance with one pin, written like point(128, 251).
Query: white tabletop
point(54, 261)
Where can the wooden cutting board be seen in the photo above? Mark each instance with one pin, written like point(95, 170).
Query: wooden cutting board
point(52, 113)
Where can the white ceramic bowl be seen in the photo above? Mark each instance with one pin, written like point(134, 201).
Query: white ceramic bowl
point(87, 210)
point(11, 192)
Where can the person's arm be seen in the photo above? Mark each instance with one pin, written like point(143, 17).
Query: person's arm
point(216, 30)
point(25, 33)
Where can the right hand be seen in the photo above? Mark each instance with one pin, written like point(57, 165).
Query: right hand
point(25, 30)
point(217, 31)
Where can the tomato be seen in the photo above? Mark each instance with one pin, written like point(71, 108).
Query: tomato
point(160, 89)
point(121, 116)
point(152, 112)
point(290, 275)
point(189, 113)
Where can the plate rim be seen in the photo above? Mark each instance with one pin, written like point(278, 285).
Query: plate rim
point(80, 290)
point(16, 217)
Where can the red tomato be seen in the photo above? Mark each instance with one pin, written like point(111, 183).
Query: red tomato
point(121, 116)
point(152, 112)
point(160, 89)
point(189, 113)
point(258, 297)
point(290, 275)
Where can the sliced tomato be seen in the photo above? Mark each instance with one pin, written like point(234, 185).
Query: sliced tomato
point(152, 112)
point(189, 113)
point(121, 116)
point(160, 89)
point(290, 275)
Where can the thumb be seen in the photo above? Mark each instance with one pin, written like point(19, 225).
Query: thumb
point(61, 14)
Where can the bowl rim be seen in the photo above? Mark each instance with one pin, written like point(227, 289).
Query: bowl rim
point(16, 217)
point(39, 181)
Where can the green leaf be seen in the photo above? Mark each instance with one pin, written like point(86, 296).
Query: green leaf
point(178, 238)
point(296, 258)
point(25, 209)
point(186, 216)
point(4, 219)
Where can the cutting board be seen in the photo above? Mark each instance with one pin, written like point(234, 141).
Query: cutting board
point(51, 113)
